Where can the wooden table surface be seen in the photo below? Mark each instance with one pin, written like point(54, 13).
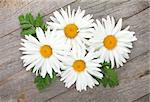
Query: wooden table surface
point(16, 85)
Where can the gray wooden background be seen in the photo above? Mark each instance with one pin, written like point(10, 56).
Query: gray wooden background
point(16, 85)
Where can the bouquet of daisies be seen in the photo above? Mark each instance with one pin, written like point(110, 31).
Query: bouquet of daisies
point(74, 47)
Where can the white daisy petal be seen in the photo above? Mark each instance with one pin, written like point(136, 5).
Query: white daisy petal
point(112, 22)
point(65, 74)
point(69, 12)
point(53, 19)
point(38, 66)
point(58, 17)
point(49, 68)
point(127, 28)
point(78, 83)
point(100, 26)
point(117, 27)
point(90, 82)
point(43, 70)
point(40, 34)
point(95, 73)
point(65, 15)
point(71, 79)
point(111, 56)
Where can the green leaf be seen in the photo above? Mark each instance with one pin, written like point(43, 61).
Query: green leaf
point(106, 64)
point(110, 75)
point(30, 31)
point(104, 81)
point(31, 19)
point(26, 26)
point(29, 23)
point(42, 83)
point(38, 21)
point(22, 20)
point(44, 26)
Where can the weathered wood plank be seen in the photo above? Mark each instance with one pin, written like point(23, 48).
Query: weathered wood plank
point(11, 9)
point(16, 83)
point(116, 8)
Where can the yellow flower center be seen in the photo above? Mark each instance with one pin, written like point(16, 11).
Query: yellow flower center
point(46, 51)
point(71, 31)
point(79, 65)
point(110, 42)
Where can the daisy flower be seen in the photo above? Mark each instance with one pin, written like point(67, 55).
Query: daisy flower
point(40, 54)
point(81, 68)
point(74, 27)
point(112, 43)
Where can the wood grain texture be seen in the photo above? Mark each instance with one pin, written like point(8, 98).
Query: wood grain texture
point(145, 98)
point(17, 85)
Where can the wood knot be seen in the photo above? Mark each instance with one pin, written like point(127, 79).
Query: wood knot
point(21, 98)
point(147, 72)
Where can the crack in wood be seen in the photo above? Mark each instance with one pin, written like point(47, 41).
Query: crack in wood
point(125, 18)
point(10, 32)
point(147, 96)
point(144, 53)
point(4, 81)
point(105, 3)
point(57, 95)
